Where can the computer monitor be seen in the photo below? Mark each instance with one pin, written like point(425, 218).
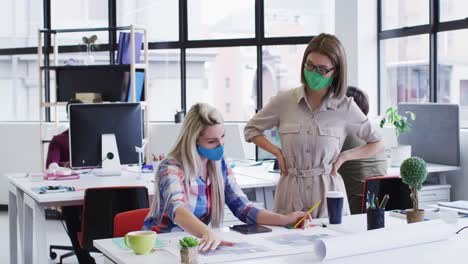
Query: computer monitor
point(273, 136)
point(92, 127)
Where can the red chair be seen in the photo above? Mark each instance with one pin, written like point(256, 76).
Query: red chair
point(131, 221)
point(391, 185)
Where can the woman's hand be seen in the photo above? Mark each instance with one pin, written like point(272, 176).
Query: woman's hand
point(281, 163)
point(209, 241)
point(292, 218)
point(337, 164)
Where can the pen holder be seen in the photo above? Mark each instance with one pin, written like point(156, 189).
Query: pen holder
point(375, 218)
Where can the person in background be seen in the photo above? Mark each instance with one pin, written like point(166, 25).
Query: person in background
point(193, 184)
point(59, 146)
point(354, 172)
point(313, 121)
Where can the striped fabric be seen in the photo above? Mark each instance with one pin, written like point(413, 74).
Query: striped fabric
point(173, 195)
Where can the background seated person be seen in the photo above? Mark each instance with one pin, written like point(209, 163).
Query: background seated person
point(355, 172)
point(59, 146)
point(194, 183)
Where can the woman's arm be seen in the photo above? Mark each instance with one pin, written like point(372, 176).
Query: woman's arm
point(365, 151)
point(269, 218)
point(262, 142)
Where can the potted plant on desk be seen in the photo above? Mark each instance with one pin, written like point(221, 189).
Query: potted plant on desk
point(188, 250)
point(413, 172)
point(402, 124)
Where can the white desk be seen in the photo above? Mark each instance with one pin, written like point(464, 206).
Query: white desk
point(452, 250)
point(429, 194)
point(26, 207)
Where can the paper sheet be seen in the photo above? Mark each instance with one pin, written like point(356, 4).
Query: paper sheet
point(382, 239)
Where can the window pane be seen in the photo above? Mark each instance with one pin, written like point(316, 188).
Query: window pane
point(159, 17)
point(19, 90)
point(164, 82)
point(20, 21)
point(453, 9)
point(452, 72)
point(224, 78)
point(281, 69)
point(214, 19)
point(299, 17)
point(79, 14)
point(404, 13)
point(404, 70)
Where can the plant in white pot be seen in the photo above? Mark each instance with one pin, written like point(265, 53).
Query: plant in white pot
point(413, 172)
point(402, 124)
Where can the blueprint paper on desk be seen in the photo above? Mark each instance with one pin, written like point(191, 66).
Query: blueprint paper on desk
point(382, 239)
point(119, 241)
point(280, 242)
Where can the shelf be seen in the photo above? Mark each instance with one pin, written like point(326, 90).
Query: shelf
point(97, 66)
point(72, 30)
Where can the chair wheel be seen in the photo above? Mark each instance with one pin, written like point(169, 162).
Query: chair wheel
point(53, 255)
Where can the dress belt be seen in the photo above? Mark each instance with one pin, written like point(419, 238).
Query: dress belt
point(313, 172)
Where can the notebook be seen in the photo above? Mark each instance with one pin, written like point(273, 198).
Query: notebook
point(462, 205)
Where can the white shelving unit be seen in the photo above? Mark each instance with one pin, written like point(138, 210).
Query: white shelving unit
point(133, 67)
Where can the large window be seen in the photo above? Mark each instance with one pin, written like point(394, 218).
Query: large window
point(423, 55)
point(234, 55)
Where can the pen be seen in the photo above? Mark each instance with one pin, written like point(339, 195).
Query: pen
point(372, 202)
point(384, 201)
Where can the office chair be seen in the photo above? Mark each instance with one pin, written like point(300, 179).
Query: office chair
point(131, 221)
point(100, 207)
point(392, 185)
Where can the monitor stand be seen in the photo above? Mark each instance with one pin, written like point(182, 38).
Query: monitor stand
point(110, 157)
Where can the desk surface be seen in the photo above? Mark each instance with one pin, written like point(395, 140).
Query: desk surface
point(452, 250)
point(262, 171)
point(128, 178)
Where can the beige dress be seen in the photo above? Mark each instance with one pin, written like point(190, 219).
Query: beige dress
point(310, 141)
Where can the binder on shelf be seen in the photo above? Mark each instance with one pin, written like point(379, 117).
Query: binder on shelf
point(123, 49)
point(126, 94)
point(139, 81)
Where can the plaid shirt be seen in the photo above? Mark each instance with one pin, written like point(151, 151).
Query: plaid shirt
point(173, 195)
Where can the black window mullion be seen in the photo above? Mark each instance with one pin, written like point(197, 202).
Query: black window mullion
point(112, 18)
point(379, 29)
point(183, 38)
point(47, 48)
point(434, 21)
point(259, 37)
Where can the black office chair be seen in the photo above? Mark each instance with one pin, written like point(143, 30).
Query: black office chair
point(392, 185)
point(99, 209)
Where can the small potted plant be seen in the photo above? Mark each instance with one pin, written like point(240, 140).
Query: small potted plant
point(90, 44)
point(402, 124)
point(413, 172)
point(188, 250)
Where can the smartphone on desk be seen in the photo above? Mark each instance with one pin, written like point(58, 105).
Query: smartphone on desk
point(248, 229)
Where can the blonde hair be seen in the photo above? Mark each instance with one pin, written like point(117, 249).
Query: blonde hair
point(329, 45)
point(199, 117)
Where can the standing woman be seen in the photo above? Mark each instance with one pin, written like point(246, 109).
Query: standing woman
point(313, 121)
point(194, 183)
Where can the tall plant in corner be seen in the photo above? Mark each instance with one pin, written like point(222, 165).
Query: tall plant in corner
point(401, 123)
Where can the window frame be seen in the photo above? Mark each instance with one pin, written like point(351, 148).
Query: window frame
point(258, 41)
point(432, 29)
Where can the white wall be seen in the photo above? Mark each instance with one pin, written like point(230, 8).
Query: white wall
point(356, 27)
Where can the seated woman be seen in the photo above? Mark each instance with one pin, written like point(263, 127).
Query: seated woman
point(59, 146)
point(194, 182)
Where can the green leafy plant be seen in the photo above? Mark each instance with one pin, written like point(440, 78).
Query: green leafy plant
point(413, 172)
point(401, 122)
point(188, 242)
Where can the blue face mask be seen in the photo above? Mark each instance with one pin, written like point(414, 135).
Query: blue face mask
point(211, 154)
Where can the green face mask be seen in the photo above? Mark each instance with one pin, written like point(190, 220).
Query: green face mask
point(315, 81)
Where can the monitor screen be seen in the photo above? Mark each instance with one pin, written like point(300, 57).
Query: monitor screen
point(88, 122)
point(273, 136)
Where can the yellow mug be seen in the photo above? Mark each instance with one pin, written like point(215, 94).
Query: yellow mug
point(141, 242)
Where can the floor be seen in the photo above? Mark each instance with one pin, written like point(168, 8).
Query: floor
point(55, 235)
